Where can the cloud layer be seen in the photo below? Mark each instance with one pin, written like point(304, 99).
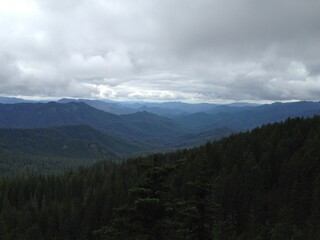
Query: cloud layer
point(204, 50)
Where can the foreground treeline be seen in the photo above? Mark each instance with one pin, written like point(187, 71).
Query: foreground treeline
point(262, 185)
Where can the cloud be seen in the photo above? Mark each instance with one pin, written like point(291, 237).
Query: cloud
point(112, 64)
point(205, 50)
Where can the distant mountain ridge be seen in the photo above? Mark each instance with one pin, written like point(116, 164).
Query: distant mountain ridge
point(168, 109)
point(140, 127)
point(149, 128)
point(162, 109)
point(110, 107)
point(152, 130)
point(12, 100)
point(245, 118)
point(74, 133)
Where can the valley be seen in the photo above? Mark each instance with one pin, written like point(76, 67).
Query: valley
point(266, 181)
point(57, 136)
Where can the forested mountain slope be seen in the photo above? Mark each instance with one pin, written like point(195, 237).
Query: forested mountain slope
point(151, 129)
point(264, 184)
point(110, 107)
point(159, 108)
point(247, 117)
point(140, 127)
point(59, 148)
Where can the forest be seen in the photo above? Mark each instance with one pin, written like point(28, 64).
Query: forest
point(263, 184)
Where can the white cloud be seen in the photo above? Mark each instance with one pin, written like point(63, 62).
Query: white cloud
point(206, 50)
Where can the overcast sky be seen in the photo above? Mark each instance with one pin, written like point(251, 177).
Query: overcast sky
point(161, 50)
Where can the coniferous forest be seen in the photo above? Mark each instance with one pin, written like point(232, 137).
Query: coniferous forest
point(159, 120)
point(261, 185)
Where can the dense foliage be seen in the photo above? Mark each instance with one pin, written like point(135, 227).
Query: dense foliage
point(259, 185)
point(53, 150)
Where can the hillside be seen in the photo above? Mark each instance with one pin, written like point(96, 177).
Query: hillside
point(247, 117)
point(148, 128)
point(161, 109)
point(263, 184)
point(157, 129)
point(139, 127)
point(110, 107)
point(58, 148)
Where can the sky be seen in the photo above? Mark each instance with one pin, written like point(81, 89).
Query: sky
point(161, 50)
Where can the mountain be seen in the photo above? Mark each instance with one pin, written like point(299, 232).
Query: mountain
point(79, 141)
point(40, 115)
point(52, 149)
point(248, 117)
point(176, 106)
point(263, 184)
point(157, 129)
point(199, 138)
point(151, 130)
point(243, 104)
point(140, 127)
point(121, 108)
point(111, 107)
point(162, 109)
point(12, 100)
point(270, 113)
point(169, 109)
point(231, 108)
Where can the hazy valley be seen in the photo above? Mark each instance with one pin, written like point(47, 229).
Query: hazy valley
point(57, 136)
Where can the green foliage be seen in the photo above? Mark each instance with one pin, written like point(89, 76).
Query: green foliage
point(260, 185)
point(58, 149)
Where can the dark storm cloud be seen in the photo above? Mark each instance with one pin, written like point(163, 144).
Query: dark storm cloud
point(204, 50)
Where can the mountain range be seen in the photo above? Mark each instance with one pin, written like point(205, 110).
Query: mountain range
point(149, 128)
point(263, 185)
point(41, 129)
point(248, 117)
point(140, 127)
